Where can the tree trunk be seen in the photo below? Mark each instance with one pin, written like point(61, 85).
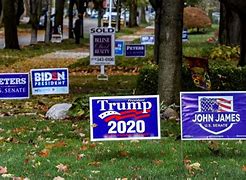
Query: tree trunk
point(10, 27)
point(229, 29)
point(133, 13)
point(99, 19)
point(157, 36)
point(35, 9)
point(118, 19)
point(239, 7)
point(242, 61)
point(1, 7)
point(70, 20)
point(1, 12)
point(156, 5)
point(27, 8)
point(19, 10)
point(170, 54)
point(59, 16)
point(48, 30)
point(142, 15)
point(34, 36)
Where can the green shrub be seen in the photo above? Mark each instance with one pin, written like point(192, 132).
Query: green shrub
point(80, 108)
point(147, 80)
point(223, 78)
point(227, 53)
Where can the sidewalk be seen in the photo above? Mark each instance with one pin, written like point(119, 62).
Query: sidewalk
point(149, 30)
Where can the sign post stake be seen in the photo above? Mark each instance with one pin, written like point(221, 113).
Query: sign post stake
point(102, 75)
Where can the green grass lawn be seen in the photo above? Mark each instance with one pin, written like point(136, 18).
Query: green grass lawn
point(33, 147)
point(8, 57)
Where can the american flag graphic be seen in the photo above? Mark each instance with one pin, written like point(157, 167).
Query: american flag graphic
point(133, 114)
point(216, 104)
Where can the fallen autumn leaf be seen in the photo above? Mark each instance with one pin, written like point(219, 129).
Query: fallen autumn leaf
point(3, 170)
point(62, 168)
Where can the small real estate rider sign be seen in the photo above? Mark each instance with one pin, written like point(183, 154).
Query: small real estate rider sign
point(14, 86)
point(102, 43)
point(124, 118)
point(50, 81)
point(213, 115)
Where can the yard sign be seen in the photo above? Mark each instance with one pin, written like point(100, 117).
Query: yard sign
point(50, 81)
point(14, 86)
point(147, 39)
point(119, 47)
point(213, 115)
point(102, 46)
point(135, 50)
point(124, 118)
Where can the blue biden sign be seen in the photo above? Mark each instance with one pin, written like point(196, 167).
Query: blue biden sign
point(50, 81)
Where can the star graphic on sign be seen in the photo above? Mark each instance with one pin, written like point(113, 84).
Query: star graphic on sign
point(215, 107)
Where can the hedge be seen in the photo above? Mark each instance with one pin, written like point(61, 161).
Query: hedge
point(223, 78)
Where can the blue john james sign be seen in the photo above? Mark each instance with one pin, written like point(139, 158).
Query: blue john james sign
point(213, 115)
point(14, 86)
point(50, 81)
point(124, 118)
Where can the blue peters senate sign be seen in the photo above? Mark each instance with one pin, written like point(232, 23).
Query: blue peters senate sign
point(14, 86)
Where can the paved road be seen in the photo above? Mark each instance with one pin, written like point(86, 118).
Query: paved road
point(24, 38)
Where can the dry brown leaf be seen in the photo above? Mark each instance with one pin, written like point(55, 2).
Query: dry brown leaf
point(94, 125)
point(1, 130)
point(244, 168)
point(93, 145)
point(95, 163)
point(44, 153)
point(60, 144)
point(123, 153)
point(193, 167)
point(187, 161)
point(12, 140)
point(19, 178)
point(18, 130)
point(214, 145)
point(83, 148)
point(157, 162)
point(80, 156)
point(85, 141)
point(3, 170)
point(62, 168)
point(56, 145)
point(196, 166)
point(58, 178)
